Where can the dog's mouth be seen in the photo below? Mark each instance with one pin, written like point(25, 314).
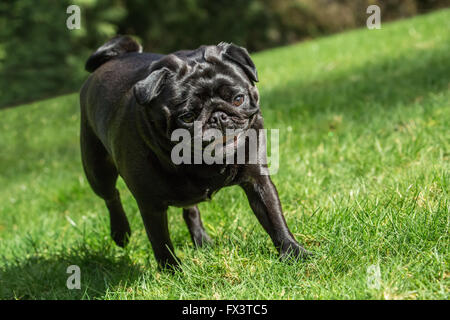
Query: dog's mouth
point(228, 140)
point(231, 141)
point(225, 146)
point(217, 144)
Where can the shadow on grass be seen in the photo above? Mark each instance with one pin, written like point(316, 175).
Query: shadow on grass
point(44, 276)
point(411, 77)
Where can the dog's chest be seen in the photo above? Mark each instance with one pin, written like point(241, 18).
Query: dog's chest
point(190, 195)
point(190, 191)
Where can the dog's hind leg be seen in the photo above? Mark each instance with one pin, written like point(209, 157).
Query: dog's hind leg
point(194, 222)
point(102, 176)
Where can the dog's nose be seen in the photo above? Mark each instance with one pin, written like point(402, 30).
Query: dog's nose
point(220, 119)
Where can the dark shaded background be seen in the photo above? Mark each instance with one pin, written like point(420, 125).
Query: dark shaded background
point(40, 57)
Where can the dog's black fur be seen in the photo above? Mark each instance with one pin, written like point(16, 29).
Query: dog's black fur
point(130, 105)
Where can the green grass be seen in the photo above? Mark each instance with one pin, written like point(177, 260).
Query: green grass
point(364, 122)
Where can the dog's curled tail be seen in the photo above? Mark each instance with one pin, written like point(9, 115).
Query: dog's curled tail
point(110, 50)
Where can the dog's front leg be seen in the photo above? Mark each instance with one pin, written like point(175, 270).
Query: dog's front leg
point(156, 226)
point(263, 198)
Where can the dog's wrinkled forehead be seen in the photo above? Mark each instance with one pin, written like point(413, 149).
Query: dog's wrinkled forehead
point(213, 71)
point(213, 67)
point(202, 71)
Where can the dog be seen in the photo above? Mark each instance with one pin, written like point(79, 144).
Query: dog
point(131, 104)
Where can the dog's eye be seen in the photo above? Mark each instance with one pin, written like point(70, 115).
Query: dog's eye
point(187, 117)
point(238, 100)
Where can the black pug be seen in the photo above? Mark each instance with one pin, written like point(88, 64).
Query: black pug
point(130, 105)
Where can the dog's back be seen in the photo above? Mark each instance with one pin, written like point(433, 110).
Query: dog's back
point(116, 66)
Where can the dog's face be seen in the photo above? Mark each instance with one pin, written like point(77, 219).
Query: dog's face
point(211, 87)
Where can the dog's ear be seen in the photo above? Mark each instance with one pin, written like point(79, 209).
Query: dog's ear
point(241, 57)
point(149, 88)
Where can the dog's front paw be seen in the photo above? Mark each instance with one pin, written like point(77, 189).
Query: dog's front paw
point(121, 234)
point(169, 264)
point(202, 239)
point(293, 251)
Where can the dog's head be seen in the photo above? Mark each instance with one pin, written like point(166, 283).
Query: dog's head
point(213, 86)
